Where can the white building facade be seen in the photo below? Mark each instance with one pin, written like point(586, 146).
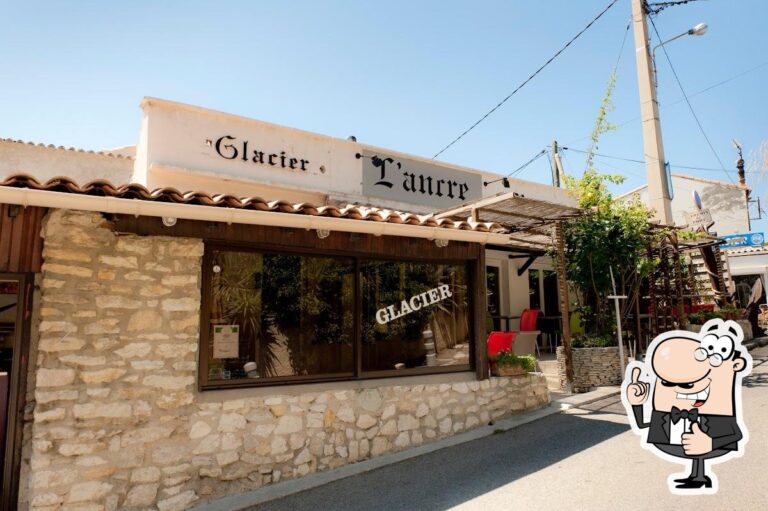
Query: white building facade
point(231, 303)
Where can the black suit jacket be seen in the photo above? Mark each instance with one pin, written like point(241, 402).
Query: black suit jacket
point(724, 430)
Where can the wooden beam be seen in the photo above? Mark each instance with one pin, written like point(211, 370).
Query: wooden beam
point(683, 317)
point(510, 213)
point(562, 292)
point(566, 211)
point(480, 309)
point(526, 265)
point(514, 249)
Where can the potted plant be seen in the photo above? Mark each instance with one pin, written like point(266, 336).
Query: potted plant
point(506, 363)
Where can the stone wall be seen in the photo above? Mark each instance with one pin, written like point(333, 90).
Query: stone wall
point(746, 328)
point(119, 424)
point(592, 367)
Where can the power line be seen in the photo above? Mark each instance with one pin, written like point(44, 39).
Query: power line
point(525, 82)
point(521, 167)
point(623, 42)
point(690, 106)
point(601, 120)
point(655, 8)
point(505, 179)
point(632, 160)
point(702, 91)
point(602, 155)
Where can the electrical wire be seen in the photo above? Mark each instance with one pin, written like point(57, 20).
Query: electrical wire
point(702, 91)
point(593, 145)
point(518, 169)
point(525, 82)
point(655, 8)
point(688, 101)
point(602, 155)
point(623, 43)
point(524, 165)
point(632, 160)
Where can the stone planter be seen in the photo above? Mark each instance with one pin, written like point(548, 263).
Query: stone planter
point(693, 328)
point(510, 370)
point(745, 325)
point(592, 367)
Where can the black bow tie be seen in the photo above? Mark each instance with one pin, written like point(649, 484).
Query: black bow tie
point(677, 414)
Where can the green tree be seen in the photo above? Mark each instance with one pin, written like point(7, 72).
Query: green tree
point(611, 234)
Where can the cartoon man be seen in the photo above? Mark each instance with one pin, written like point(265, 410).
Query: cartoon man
point(696, 407)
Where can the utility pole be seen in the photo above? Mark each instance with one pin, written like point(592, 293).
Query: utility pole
point(558, 173)
point(555, 170)
point(653, 147)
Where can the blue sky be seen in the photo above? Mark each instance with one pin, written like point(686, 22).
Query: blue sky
point(398, 74)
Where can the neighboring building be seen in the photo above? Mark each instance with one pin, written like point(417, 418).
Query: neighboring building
point(728, 206)
point(726, 202)
point(747, 264)
point(164, 348)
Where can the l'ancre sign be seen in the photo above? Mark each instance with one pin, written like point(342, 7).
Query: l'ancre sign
point(410, 181)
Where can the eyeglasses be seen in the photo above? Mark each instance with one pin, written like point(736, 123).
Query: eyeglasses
point(715, 359)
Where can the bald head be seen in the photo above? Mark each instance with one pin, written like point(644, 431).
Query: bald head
point(692, 373)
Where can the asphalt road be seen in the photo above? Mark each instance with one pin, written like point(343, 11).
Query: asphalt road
point(583, 459)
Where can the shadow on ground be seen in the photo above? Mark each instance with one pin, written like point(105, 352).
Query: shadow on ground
point(454, 475)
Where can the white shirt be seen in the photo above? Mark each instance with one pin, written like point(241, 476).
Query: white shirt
point(676, 431)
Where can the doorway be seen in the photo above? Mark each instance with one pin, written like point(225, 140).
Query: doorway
point(14, 351)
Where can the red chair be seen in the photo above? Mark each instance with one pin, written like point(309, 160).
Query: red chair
point(529, 334)
point(528, 320)
point(500, 341)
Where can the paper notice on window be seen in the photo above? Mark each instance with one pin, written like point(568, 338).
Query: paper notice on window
point(226, 341)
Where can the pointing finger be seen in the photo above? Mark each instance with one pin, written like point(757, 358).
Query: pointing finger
point(636, 374)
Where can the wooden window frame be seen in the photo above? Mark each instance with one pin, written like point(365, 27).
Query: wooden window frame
point(476, 359)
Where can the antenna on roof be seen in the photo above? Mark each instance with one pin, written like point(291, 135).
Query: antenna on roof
point(738, 147)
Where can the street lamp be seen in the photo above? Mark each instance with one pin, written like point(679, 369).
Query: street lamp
point(698, 30)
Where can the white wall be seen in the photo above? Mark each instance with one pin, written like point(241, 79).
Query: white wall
point(44, 163)
point(514, 293)
point(726, 202)
point(177, 147)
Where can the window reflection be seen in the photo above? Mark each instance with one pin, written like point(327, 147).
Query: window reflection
point(414, 315)
point(276, 315)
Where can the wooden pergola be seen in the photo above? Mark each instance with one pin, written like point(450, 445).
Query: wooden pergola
point(534, 226)
point(667, 290)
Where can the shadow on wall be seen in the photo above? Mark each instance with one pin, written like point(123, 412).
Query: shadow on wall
point(718, 198)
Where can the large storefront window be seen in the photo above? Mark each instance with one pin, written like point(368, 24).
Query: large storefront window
point(273, 317)
point(414, 315)
point(276, 316)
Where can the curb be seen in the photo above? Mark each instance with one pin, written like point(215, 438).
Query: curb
point(278, 490)
point(758, 342)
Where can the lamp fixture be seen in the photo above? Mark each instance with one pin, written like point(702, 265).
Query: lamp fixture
point(441, 243)
point(699, 29)
point(169, 221)
point(323, 233)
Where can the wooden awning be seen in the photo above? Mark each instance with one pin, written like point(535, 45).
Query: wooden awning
point(528, 221)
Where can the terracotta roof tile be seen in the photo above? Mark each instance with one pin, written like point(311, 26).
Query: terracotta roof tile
point(105, 188)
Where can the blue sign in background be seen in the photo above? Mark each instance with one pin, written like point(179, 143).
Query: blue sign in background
point(748, 239)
